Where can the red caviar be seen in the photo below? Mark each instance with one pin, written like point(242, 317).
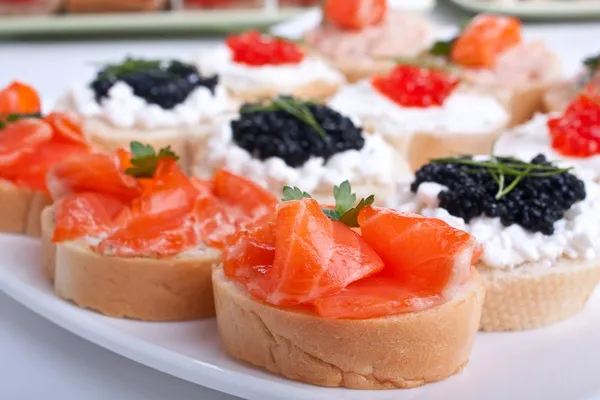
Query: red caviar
point(577, 132)
point(254, 49)
point(413, 86)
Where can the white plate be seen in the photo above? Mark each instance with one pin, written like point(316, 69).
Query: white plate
point(561, 362)
point(550, 9)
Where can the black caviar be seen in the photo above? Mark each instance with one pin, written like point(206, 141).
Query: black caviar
point(535, 203)
point(278, 133)
point(166, 84)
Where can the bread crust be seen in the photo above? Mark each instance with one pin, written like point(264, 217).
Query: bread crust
point(147, 289)
point(319, 91)
point(357, 71)
point(533, 296)
point(21, 209)
point(558, 97)
point(402, 351)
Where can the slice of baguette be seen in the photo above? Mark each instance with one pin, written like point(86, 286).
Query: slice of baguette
point(21, 209)
point(402, 351)
point(558, 97)
point(319, 91)
point(534, 296)
point(147, 289)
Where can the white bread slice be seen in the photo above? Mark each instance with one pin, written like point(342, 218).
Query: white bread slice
point(558, 97)
point(319, 91)
point(107, 137)
point(21, 209)
point(533, 296)
point(359, 70)
point(402, 351)
point(147, 289)
point(48, 248)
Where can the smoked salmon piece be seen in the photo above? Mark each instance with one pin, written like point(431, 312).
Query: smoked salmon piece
point(425, 255)
point(484, 38)
point(20, 138)
point(92, 173)
point(314, 257)
point(237, 191)
point(371, 298)
point(66, 129)
point(19, 98)
point(355, 14)
point(85, 214)
point(153, 235)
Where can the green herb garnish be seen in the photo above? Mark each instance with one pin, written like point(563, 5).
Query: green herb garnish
point(500, 168)
point(293, 106)
point(443, 48)
point(6, 119)
point(128, 66)
point(592, 63)
point(145, 159)
point(346, 210)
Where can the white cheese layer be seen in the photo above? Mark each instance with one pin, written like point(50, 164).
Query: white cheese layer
point(371, 165)
point(285, 78)
point(575, 236)
point(123, 109)
point(532, 138)
point(461, 113)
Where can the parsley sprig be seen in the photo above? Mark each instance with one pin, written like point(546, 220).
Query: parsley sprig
point(500, 168)
point(6, 119)
point(443, 48)
point(346, 209)
point(145, 159)
point(293, 106)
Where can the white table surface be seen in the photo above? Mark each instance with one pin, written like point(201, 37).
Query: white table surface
point(41, 361)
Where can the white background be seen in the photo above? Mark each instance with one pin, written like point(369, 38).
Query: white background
point(41, 361)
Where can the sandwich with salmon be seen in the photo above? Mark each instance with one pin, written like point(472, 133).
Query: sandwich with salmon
point(132, 236)
point(30, 144)
point(362, 37)
point(492, 56)
point(351, 295)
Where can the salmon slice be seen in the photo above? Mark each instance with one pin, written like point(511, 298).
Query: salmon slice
point(19, 98)
point(66, 128)
point(92, 173)
point(248, 196)
point(85, 214)
point(154, 235)
point(426, 255)
point(355, 14)
point(31, 170)
point(168, 190)
point(314, 257)
point(371, 298)
point(484, 39)
point(21, 138)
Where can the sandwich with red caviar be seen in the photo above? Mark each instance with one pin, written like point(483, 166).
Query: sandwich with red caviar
point(569, 137)
point(538, 224)
point(492, 55)
point(253, 66)
point(134, 237)
point(360, 37)
point(558, 97)
point(287, 141)
point(30, 144)
point(351, 295)
point(424, 111)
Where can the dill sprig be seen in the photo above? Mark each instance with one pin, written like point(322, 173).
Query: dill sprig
point(129, 65)
point(293, 106)
point(501, 167)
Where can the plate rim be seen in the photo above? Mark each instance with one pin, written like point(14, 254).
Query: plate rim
point(556, 9)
